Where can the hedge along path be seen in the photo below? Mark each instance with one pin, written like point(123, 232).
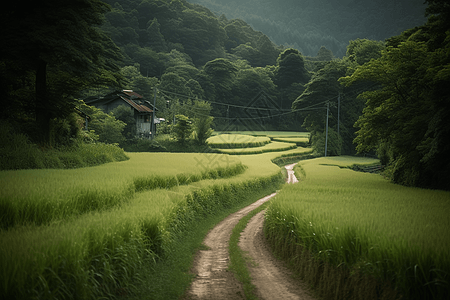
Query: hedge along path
point(214, 281)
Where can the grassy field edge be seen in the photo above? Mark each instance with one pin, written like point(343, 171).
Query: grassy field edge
point(170, 278)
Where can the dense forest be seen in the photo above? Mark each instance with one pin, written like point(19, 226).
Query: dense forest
point(307, 25)
point(203, 64)
point(190, 52)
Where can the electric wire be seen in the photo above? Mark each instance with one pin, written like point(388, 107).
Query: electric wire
point(228, 105)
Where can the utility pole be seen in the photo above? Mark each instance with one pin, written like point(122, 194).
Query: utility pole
point(228, 116)
point(339, 110)
point(326, 134)
point(154, 108)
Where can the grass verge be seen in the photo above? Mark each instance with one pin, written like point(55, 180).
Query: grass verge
point(170, 277)
point(238, 260)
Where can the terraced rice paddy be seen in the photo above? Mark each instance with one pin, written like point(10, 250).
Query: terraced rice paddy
point(259, 142)
point(67, 233)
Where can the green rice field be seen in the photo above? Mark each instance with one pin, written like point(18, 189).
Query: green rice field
point(271, 147)
point(42, 196)
point(299, 141)
point(366, 225)
point(244, 143)
point(270, 134)
point(87, 233)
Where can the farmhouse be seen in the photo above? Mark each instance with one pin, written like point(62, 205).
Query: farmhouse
point(143, 109)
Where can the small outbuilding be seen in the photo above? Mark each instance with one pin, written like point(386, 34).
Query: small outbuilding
point(143, 109)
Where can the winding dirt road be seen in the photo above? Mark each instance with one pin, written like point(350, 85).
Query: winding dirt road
point(271, 278)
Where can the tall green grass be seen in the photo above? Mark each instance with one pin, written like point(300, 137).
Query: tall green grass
point(43, 196)
point(102, 253)
point(364, 226)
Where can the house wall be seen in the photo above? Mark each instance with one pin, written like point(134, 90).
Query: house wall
point(143, 124)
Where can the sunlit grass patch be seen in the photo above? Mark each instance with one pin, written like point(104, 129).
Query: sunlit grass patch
point(232, 141)
point(271, 134)
point(271, 147)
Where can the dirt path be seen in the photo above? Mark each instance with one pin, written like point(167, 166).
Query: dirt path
point(270, 276)
point(214, 281)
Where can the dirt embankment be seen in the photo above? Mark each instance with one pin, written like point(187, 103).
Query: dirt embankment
point(270, 277)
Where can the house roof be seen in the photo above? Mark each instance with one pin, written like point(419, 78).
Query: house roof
point(132, 94)
point(130, 97)
point(137, 105)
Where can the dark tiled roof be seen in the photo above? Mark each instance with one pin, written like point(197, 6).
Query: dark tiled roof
point(136, 106)
point(130, 93)
point(128, 96)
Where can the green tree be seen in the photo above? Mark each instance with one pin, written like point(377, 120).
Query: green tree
point(333, 141)
point(182, 129)
point(217, 79)
point(324, 54)
point(134, 80)
point(155, 39)
point(181, 64)
point(202, 121)
point(363, 50)
point(106, 126)
point(126, 115)
point(172, 82)
point(151, 63)
point(58, 39)
point(324, 87)
point(290, 69)
point(406, 118)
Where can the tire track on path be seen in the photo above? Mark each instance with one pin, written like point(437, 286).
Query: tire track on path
point(214, 281)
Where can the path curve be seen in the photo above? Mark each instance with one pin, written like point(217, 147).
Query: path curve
point(271, 278)
point(213, 280)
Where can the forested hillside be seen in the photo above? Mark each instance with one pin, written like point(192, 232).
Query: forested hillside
point(192, 53)
point(309, 24)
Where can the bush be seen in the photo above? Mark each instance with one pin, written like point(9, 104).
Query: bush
point(334, 143)
point(142, 145)
point(17, 152)
point(183, 129)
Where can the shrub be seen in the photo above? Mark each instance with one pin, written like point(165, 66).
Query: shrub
point(182, 129)
point(143, 145)
point(17, 152)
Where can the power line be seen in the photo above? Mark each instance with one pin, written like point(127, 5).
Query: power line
point(228, 105)
point(192, 108)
